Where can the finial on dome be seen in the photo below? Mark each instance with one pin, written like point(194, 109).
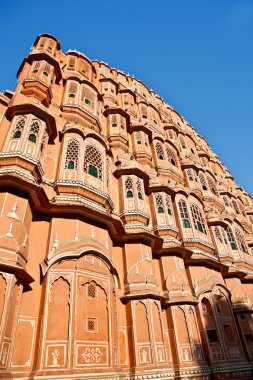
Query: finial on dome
point(13, 213)
point(9, 233)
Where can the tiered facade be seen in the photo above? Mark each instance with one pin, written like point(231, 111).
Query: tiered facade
point(125, 244)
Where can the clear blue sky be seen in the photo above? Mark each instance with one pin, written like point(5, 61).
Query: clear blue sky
point(196, 54)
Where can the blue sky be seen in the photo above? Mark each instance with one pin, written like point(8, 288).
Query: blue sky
point(196, 54)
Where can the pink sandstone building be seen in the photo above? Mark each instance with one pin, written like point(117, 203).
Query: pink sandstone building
point(126, 247)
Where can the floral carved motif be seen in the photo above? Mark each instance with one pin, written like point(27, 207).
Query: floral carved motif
point(92, 355)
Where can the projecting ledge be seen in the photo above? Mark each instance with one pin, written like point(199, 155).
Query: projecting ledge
point(22, 275)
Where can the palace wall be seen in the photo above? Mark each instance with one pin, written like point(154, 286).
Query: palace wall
point(125, 244)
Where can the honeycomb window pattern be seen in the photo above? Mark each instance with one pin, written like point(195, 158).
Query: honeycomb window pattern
point(218, 235)
point(168, 204)
point(240, 240)
point(19, 127)
point(91, 324)
point(139, 189)
point(198, 220)
point(159, 204)
point(171, 157)
point(91, 291)
point(72, 155)
point(231, 239)
point(34, 131)
point(93, 158)
point(159, 151)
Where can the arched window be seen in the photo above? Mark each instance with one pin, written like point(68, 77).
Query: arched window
point(71, 65)
point(224, 236)
point(93, 163)
point(171, 157)
point(72, 90)
point(240, 240)
point(168, 204)
point(46, 70)
point(114, 122)
point(146, 139)
point(19, 127)
point(206, 306)
point(88, 97)
point(72, 155)
point(42, 44)
point(235, 206)
point(144, 113)
point(212, 186)
point(138, 138)
point(231, 239)
point(50, 46)
point(203, 182)
point(182, 142)
point(34, 131)
point(189, 174)
point(122, 122)
point(184, 214)
point(139, 189)
point(218, 235)
point(83, 68)
point(198, 219)
point(129, 187)
point(36, 66)
point(159, 204)
point(225, 201)
point(159, 151)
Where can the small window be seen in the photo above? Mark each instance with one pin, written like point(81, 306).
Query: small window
point(71, 95)
point(186, 223)
point(45, 73)
point(87, 101)
point(114, 125)
point(71, 165)
point(200, 227)
point(139, 195)
point(160, 210)
point(229, 333)
point(129, 194)
point(138, 142)
point(169, 211)
point(35, 71)
point(91, 292)
point(92, 170)
point(91, 324)
point(233, 246)
point(32, 138)
point(248, 338)
point(16, 135)
point(212, 336)
point(173, 162)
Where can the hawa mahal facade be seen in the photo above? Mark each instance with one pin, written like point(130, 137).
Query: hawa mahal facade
point(126, 247)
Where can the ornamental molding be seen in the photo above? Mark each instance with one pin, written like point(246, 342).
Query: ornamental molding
point(87, 187)
point(72, 199)
point(22, 175)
